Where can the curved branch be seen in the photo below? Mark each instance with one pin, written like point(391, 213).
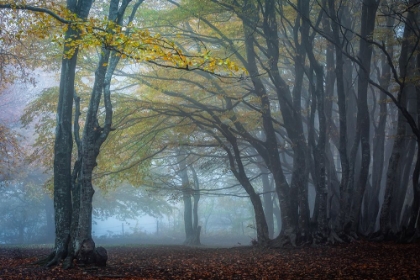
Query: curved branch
point(35, 9)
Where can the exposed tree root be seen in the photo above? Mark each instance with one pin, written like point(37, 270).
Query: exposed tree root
point(334, 238)
point(68, 262)
point(46, 260)
point(89, 254)
point(326, 238)
point(283, 240)
point(57, 257)
point(52, 259)
point(402, 236)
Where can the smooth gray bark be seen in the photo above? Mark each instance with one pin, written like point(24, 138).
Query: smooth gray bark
point(63, 139)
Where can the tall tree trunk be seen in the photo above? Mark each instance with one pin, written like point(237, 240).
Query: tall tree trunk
point(63, 139)
point(405, 170)
point(82, 245)
point(196, 197)
point(268, 200)
point(341, 93)
point(317, 89)
point(270, 153)
point(391, 180)
point(333, 180)
point(369, 8)
point(378, 155)
point(190, 197)
point(406, 67)
point(414, 219)
point(186, 198)
point(238, 170)
point(290, 106)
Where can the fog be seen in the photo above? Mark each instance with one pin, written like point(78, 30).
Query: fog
point(112, 226)
point(26, 211)
point(238, 125)
point(26, 217)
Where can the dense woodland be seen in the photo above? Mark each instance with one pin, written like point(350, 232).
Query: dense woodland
point(309, 109)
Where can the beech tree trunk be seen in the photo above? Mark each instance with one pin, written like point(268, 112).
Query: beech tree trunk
point(73, 192)
point(369, 8)
point(196, 199)
point(407, 70)
point(341, 93)
point(316, 81)
point(238, 170)
point(269, 152)
point(378, 156)
point(94, 135)
point(414, 218)
point(186, 198)
point(64, 141)
point(290, 106)
point(268, 201)
point(190, 197)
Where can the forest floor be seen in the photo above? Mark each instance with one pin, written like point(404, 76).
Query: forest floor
point(358, 260)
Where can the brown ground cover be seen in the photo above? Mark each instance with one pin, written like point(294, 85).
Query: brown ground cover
point(358, 260)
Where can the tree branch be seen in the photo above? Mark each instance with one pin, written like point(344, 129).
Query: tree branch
point(35, 9)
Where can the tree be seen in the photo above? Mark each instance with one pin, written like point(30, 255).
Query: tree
point(189, 190)
point(64, 142)
point(406, 63)
point(73, 191)
point(304, 39)
point(303, 116)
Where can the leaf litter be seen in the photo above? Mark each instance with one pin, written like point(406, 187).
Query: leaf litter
point(357, 260)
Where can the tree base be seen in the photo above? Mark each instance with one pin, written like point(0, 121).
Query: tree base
point(194, 239)
point(89, 254)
